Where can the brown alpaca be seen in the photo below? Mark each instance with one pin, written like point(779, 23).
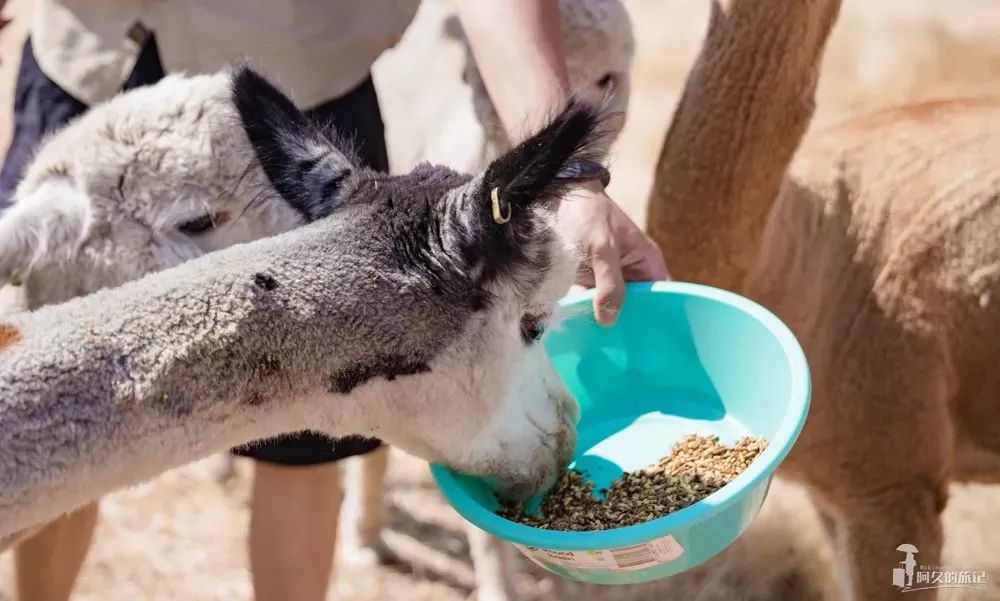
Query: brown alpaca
point(878, 245)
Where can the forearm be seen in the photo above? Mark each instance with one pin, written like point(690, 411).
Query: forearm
point(517, 45)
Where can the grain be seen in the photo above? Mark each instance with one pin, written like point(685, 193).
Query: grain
point(697, 467)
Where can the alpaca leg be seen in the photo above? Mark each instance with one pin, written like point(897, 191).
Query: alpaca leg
point(493, 562)
point(48, 562)
point(877, 449)
point(870, 528)
point(293, 530)
point(364, 508)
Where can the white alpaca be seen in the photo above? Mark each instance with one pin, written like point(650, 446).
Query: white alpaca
point(599, 47)
point(405, 300)
point(145, 182)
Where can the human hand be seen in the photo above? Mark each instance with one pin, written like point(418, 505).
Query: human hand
point(616, 250)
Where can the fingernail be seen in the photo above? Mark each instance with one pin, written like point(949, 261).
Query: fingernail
point(607, 315)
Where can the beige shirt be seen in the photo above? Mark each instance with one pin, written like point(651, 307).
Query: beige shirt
point(315, 50)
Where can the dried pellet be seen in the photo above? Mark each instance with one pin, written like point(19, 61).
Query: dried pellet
point(697, 467)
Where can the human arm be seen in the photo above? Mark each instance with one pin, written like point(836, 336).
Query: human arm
point(517, 45)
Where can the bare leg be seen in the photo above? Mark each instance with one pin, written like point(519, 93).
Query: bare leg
point(48, 563)
point(493, 562)
point(364, 508)
point(293, 530)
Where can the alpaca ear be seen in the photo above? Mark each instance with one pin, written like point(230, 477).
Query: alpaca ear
point(502, 215)
point(539, 171)
point(302, 164)
point(47, 223)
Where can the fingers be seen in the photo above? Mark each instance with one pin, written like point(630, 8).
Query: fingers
point(616, 250)
point(608, 269)
point(648, 265)
point(608, 280)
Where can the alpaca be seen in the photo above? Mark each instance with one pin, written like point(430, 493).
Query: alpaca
point(599, 47)
point(876, 243)
point(409, 297)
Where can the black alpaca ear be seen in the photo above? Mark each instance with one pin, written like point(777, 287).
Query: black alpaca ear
point(302, 164)
point(502, 230)
point(539, 170)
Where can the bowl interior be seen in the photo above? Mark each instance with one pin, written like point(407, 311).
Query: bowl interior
point(682, 359)
point(675, 364)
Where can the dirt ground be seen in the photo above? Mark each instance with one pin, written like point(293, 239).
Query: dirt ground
point(182, 535)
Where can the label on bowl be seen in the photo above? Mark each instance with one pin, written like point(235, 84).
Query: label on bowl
point(626, 559)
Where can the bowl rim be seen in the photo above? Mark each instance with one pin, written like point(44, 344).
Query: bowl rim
point(758, 473)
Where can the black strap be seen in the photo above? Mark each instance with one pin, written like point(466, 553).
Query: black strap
point(584, 170)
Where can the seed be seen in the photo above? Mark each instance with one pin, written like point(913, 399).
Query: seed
point(697, 467)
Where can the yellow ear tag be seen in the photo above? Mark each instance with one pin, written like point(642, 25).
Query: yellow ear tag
point(497, 215)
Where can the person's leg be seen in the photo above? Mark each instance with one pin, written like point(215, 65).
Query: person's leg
point(294, 513)
point(362, 514)
point(48, 563)
point(293, 529)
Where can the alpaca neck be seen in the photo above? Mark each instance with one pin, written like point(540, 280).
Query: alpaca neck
point(257, 340)
point(90, 467)
point(745, 107)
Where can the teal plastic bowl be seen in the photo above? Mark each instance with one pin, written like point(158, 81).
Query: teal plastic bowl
point(682, 359)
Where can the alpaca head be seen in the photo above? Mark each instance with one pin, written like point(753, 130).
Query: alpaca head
point(599, 48)
point(463, 274)
point(141, 183)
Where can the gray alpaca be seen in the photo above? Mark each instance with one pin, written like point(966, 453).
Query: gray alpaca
point(186, 193)
point(412, 297)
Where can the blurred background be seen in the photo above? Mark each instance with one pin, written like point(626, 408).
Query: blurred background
point(183, 535)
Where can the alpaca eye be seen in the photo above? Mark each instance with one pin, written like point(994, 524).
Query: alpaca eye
point(606, 81)
point(532, 328)
point(202, 224)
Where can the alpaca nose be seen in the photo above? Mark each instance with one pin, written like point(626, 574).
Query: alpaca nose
point(524, 485)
